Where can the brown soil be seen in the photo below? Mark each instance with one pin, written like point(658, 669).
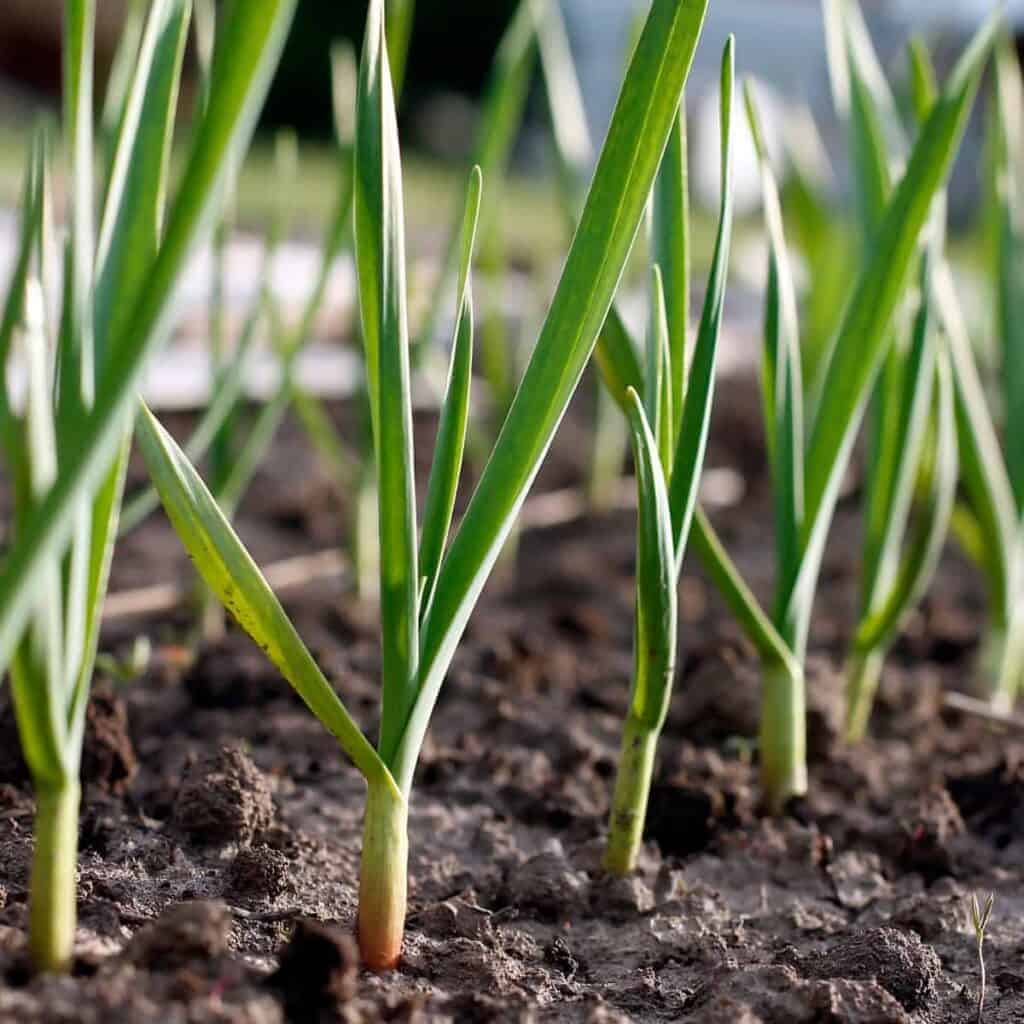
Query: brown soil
point(220, 827)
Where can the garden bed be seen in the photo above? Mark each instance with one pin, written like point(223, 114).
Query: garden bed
point(220, 821)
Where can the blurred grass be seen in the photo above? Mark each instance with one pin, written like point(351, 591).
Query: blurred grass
point(532, 217)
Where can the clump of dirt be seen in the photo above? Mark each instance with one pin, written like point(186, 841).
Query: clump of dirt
point(317, 971)
point(549, 886)
point(224, 798)
point(260, 871)
point(898, 961)
point(108, 756)
point(777, 994)
point(929, 826)
point(195, 930)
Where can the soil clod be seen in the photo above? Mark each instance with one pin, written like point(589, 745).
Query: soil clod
point(196, 930)
point(317, 971)
point(223, 798)
point(899, 961)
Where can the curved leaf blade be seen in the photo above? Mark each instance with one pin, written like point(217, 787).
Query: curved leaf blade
point(656, 622)
point(229, 571)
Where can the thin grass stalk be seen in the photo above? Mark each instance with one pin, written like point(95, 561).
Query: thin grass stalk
point(654, 649)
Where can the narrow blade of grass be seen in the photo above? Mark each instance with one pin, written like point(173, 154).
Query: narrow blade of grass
point(380, 254)
point(671, 251)
point(37, 672)
point(228, 393)
point(401, 14)
point(574, 148)
point(1009, 192)
point(901, 435)
point(120, 76)
point(501, 117)
point(729, 582)
point(658, 379)
point(782, 379)
point(134, 208)
point(921, 552)
point(451, 435)
point(29, 233)
point(616, 354)
point(700, 385)
point(76, 372)
point(982, 466)
point(924, 86)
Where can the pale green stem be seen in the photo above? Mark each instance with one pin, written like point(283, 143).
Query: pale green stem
point(862, 677)
point(212, 619)
point(1002, 663)
point(629, 803)
point(383, 877)
point(783, 735)
point(52, 912)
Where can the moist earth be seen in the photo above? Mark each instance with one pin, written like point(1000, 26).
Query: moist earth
point(220, 829)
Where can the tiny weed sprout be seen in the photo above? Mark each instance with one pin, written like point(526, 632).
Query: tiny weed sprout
point(989, 522)
point(981, 914)
point(427, 594)
point(668, 455)
point(911, 457)
point(67, 449)
point(810, 442)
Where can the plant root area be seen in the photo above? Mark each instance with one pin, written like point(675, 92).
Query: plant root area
point(220, 829)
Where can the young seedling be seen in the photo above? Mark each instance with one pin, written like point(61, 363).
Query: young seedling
point(980, 917)
point(428, 590)
point(669, 455)
point(67, 449)
point(911, 430)
point(808, 461)
point(989, 523)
